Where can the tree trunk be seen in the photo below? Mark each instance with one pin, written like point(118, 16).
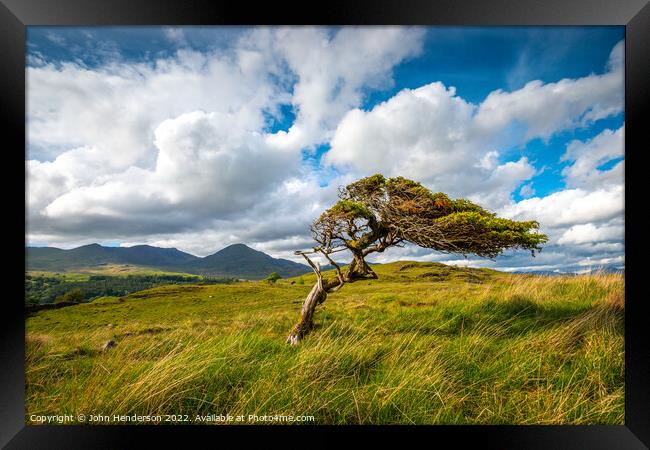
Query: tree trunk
point(359, 269)
point(316, 296)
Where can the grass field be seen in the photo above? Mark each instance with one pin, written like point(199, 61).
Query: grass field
point(424, 344)
point(82, 274)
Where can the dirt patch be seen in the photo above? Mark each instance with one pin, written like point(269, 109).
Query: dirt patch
point(435, 276)
point(473, 278)
point(415, 305)
point(166, 292)
point(152, 330)
point(78, 352)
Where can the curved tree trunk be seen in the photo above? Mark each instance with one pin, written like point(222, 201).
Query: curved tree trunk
point(359, 269)
point(317, 295)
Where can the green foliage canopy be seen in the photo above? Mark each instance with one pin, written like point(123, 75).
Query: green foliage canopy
point(375, 213)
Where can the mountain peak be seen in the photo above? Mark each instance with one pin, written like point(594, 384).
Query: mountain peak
point(238, 245)
point(247, 263)
point(237, 248)
point(237, 260)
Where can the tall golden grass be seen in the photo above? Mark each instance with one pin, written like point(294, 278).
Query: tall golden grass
point(515, 349)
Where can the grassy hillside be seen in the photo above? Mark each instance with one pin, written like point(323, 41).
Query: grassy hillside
point(47, 288)
point(83, 273)
point(424, 344)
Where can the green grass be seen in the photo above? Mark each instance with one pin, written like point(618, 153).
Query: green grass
point(83, 274)
point(424, 344)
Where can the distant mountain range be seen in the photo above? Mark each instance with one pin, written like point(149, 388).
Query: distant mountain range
point(574, 271)
point(234, 261)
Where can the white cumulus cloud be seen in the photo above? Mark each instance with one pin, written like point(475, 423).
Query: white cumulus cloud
point(177, 151)
point(587, 157)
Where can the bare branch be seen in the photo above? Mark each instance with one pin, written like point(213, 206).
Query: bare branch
point(338, 272)
point(316, 268)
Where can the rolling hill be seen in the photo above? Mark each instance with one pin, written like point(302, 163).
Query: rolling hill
point(238, 260)
point(423, 344)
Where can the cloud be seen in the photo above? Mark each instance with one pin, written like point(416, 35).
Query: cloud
point(580, 224)
point(116, 107)
point(433, 135)
point(427, 134)
point(278, 225)
point(570, 207)
point(527, 190)
point(589, 233)
point(55, 38)
point(545, 108)
point(616, 61)
point(328, 78)
point(179, 152)
point(165, 150)
point(588, 156)
point(207, 166)
point(175, 35)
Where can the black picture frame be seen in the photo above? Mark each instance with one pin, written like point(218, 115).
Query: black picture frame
point(16, 15)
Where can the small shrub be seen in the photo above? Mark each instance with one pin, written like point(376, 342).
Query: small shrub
point(273, 277)
point(75, 295)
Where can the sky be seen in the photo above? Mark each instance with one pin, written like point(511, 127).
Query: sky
point(201, 137)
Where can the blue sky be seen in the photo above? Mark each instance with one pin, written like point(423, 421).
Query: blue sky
point(268, 82)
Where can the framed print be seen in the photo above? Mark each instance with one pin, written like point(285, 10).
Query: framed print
point(371, 216)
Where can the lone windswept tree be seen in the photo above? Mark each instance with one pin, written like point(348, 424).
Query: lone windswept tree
point(376, 213)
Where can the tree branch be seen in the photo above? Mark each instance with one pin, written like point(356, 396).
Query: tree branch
point(314, 266)
point(338, 272)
